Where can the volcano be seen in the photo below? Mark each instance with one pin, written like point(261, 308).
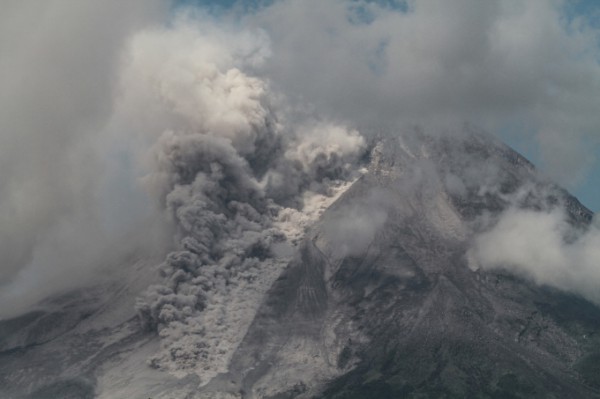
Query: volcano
point(382, 296)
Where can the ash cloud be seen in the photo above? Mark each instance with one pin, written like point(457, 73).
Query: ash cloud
point(226, 164)
point(92, 123)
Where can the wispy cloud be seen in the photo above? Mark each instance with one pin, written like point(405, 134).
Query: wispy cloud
point(543, 247)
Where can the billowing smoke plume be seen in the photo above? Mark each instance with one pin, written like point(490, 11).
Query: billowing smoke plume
point(224, 169)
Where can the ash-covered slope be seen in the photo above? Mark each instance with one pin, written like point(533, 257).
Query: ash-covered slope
point(69, 343)
point(384, 298)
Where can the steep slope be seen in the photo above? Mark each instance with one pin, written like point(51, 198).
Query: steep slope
point(60, 349)
point(383, 299)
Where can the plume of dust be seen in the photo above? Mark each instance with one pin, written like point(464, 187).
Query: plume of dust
point(226, 162)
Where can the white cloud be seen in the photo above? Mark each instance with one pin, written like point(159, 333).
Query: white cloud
point(515, 62)
point(58, 65)
point(537, 245)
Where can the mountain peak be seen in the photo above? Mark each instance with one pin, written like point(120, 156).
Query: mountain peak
point(387, 294)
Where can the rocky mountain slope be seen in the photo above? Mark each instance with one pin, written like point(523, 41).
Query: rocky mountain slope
point(383, 298)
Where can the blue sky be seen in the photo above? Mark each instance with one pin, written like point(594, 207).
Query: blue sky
point(588, 192)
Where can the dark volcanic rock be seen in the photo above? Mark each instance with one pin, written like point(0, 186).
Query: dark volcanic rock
point(383, 299)
point(400, 311)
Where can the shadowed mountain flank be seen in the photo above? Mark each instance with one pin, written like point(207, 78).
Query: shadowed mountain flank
point(384, 300)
